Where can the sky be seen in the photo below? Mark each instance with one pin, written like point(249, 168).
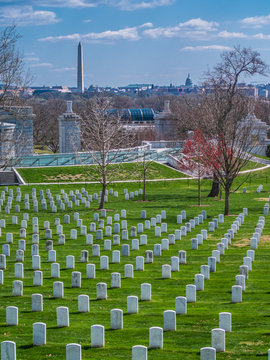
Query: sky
point(134, 41)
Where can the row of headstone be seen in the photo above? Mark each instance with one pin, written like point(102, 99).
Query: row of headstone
point(239, 288)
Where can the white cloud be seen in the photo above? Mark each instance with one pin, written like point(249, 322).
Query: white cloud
point(199, 24)
point(86, 21)
point(130, 5)
point(239, 35)
point(232, 35)
point(64, 69)
point(126, 5)
point(261, 36)
point(29, 58)
point(26, 15)
point(45, 64)
point(68, 3)
point(130, 34)
point(256, 21)
point(206, 47)
point(146, 25)
point(194, 28)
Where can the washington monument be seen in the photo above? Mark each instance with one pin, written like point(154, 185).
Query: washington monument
point(80, 82)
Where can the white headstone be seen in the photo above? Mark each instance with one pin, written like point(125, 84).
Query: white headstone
point(62, 315)
point(236, 293)
point(145, 292)
point(116, 256)
point(115, 280)
point(17, 288)
point(70, 262)
point(104, 262)
point(140, 263)
point(199, 282)
point(205, 271)
point(218, 339)
point(37, 302)
point(73, 352)
point(90, 271)
point(132, 304)
point(166, 271)
point(191, 293)
point(155, 338)
point(169, 317)
point(8, 350)
point(39, 333)
point(181, 305)
point(11, 316)
point(225, 321)
point(116, 319)
point(76, 279)
point(139, 352)
point(101, 291)
point(208, 353)
point(97, 336)
point(37, 278)
point(58, 289)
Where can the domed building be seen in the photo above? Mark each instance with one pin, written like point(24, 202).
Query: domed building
point(188, 82)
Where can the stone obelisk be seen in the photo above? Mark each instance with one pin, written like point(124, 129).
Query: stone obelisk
point(80, 82)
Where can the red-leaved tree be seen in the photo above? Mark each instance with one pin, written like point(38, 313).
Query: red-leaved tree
point(197, 158)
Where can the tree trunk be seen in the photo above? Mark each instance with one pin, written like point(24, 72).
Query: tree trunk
point(102, 200)
point(227, 202)
point(199, 191)
point(215, 187)
point(144, 185)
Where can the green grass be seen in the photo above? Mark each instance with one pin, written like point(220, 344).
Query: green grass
point(127, 171)
point(252, 165)
point(249, 338)
point(261, 156)
point(40, 149)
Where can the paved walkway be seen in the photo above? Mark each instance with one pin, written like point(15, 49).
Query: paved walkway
point(259, 160)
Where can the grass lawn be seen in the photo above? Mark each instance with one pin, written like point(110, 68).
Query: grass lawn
point(249, 339)
point(252, 165)
point(261, 156)
point(42, 150)
point(127, 171)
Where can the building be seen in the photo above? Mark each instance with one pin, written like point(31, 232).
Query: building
point(257, 133)
point(165, 123)
point(69, 131)
point(188, 82)
point(16, 131)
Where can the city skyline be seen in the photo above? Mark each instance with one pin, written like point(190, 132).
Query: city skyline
point(133, 41)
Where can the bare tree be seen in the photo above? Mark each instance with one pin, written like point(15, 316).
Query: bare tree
point(222, 110)
point(11, 66)
point(185, 113)
point(144, 168)
point(104, 136)
point(46, 130)
point(262, 110)
point(14, 118)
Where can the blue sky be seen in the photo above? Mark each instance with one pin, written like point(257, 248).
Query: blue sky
point(134, 41)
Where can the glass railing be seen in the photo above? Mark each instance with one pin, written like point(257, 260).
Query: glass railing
point(88, 158)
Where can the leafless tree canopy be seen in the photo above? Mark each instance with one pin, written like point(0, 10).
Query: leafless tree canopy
point(223, 108)
point(104, 136)
point(11, 65)
point(102, 130)
point(46, 130)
